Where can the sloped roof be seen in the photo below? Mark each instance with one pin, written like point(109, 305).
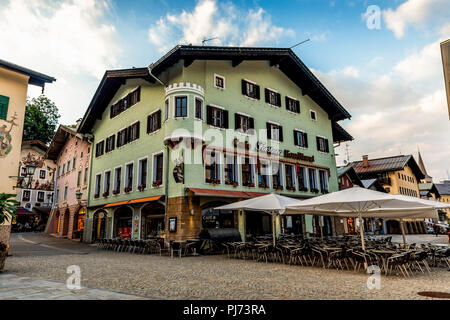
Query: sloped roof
point(350, 171)
point(373, 182)
point(35, 143)
point(388, 164)
point(285, 59)
point(36, 78)
point(443, 188)
point(340, 134)
point(59, 140)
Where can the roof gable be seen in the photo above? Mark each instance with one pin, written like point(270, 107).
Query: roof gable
point(388, 164)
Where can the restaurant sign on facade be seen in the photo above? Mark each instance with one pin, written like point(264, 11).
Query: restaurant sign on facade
point(260, 146)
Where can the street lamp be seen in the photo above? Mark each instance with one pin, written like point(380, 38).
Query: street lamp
point(79, 194)
point(30, 169)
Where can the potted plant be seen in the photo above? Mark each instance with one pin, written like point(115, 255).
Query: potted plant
point(105, 194)
point(127, 189)
point(142, 187)
point(291, 188)
point(8, 206)
point(116, 191)
point(262, 185)
point(315, 190)
point(96, 196)
point(156, 183)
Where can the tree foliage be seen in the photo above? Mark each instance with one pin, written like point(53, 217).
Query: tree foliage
point(41, 119)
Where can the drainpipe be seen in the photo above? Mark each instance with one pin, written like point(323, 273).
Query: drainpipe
point(91, 141)
point(150, 72)
point(166, 191)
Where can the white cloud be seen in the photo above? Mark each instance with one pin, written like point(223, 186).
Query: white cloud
point(415, 13)
point(225, 22)
point(69, 40)
point(393, 113)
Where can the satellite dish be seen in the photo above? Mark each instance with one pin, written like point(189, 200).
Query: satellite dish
point(345, 162)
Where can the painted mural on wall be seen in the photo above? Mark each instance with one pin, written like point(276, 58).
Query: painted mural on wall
point(39, 162)
point(5, 136)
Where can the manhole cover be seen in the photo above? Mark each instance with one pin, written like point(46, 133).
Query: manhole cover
point(433, 294)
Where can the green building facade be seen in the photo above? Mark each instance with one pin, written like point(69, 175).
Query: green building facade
point(202, 127)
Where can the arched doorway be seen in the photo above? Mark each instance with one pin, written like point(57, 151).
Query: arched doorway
point(99, 225)
point(78, 223)
point(152, 221)
point(393, 227)
point(66, 222)
point(123, 217)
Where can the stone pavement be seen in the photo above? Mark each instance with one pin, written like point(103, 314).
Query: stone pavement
point(14, 287)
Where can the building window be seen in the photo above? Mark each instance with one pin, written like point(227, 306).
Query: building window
point(217, 117)
point(123, 104)
point(42, 174)
point(122, 138)
point(110, 143)
point(79, 178)
point(290, 177)
point(98, 179)
point(301, 139)
point(166, 109)
point(74, 163)
point(248, 170)
point(58, 171)
point(198, 109)
point(263, 174)
point(244, 124)
point(323, 177)
point(133, 132)
point(313, 115)
point(129, 177)
point(273, 98)
point(219, 82)
point(212, 167)
point(181, 107)
point(231, 170)
point(312, 180)
point(85, 176)
point(66, 189)
point(301, 178)
point(57, 195)
point(99, 147)
point(292, 105)
point(117, 179)
point(274, 131)
point(4, 102)
point(63, 169)
point(250, 90)
point(277, 183)
point(40, 196)
point(154, 122)
point(26, 195)
point(322, 144)
point(158, 169)
point(142, 178)
point(107, 183)
point(68, 166)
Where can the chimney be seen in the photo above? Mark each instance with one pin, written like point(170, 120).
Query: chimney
point(365, 161)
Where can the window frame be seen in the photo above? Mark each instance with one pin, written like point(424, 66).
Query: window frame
point(45, 174)
point(305, 138)
point(139, 173)
point(253, 170)
point(108, 171)
point(223, 81)
point(23, 195)
point(97, 184)
point(293, 176)
point(311, 112)
point(153, 116)
point(155, 169)
point(126, 183)
point(179, 96)
point(202, 107)
point(115, 186)
point(218, 167)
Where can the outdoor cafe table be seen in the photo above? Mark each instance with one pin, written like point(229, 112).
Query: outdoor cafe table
point(385, 254)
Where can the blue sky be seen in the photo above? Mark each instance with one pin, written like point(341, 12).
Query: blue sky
point(390, 79)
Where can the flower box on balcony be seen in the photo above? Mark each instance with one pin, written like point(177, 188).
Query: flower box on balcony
point(315, 190)
point(213, 180)
point(127, 189)
point(249, 184)
point(263, 185)
point(105, 194)
point(117, 191)
point(303, 189)
point(278, 187)
point(96, 196)
point(156, 183)
point(291, 188)
point(142, 187)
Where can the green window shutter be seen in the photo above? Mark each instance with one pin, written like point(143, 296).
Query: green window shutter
point(4, 102)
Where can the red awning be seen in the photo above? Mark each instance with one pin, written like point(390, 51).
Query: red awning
point(225, 193)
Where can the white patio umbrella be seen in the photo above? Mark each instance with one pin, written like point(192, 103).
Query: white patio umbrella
point(360, 202)
point(271, 203)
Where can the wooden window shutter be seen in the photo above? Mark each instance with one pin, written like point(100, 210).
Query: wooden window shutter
point(244, 87)
point(286, 101)
point(4, 102)
point(257, 92)
point(296, 138)
point(251, 123)
point(278, 99)
point(209, 115)
point(327, 147)
point(280, 133)
point(158, 119)
point(138, 126)
point(305, 135)
point(267, 95)
point(225, 119)
point(128, 135)
point(318, 143)
point(269, 130)
point(113, 144)
point(236, 121)
point(148, 123)
point(297, 104)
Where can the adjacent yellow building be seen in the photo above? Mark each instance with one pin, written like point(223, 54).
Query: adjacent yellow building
point(14, 81)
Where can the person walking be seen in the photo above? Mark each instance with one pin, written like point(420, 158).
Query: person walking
point(436, 230)
point(448, 234)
